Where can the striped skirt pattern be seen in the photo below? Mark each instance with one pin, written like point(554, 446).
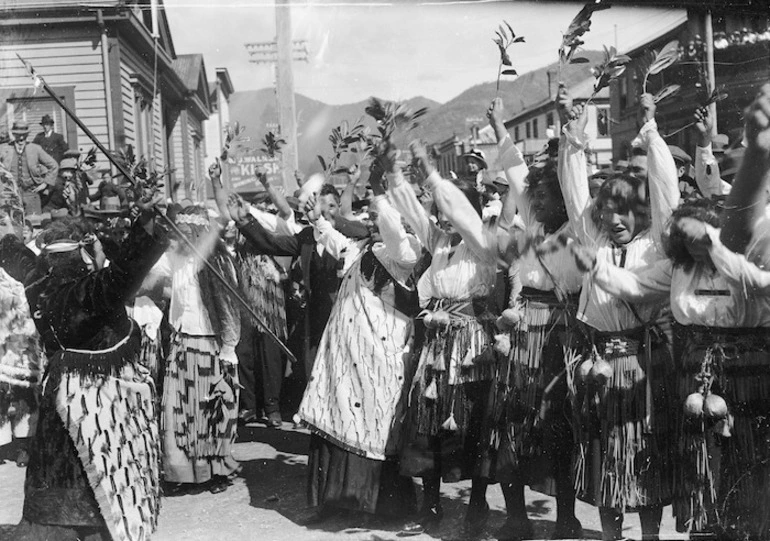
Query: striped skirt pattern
point(200, 412)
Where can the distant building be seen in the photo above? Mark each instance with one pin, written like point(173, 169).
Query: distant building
point(741, 50)
point(531, 128)
point(220, 90)
point(100, 59)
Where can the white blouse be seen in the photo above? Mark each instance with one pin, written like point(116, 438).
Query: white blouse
point(459, 272)
point(554, 249)
point(598, 308)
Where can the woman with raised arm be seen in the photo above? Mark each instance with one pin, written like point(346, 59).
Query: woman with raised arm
point(445, 435)
point(542, 325)
point(200, 397)
point(356, 397)
point(625, 440)
point(93, 471)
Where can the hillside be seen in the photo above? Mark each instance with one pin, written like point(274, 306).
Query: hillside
point(315, 120)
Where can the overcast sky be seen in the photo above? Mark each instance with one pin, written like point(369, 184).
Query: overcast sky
point(395, 50)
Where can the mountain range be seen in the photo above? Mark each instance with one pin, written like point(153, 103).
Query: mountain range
point(257, 109)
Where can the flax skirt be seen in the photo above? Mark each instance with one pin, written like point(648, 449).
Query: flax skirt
point(200, 413)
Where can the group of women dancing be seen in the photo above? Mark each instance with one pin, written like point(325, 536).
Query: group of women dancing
point(628, 366)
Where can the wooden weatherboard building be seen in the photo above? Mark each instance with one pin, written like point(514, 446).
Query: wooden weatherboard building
point(100, 57)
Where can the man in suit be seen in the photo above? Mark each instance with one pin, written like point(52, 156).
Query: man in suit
point(53, 143)
point(34, 171)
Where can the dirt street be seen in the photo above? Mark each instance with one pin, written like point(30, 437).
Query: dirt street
point(267, 502)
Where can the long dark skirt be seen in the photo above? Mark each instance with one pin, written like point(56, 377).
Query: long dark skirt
point(626, 441)
point(723, 482)
point(532, 439)
point(453, 454)
point(344, 480)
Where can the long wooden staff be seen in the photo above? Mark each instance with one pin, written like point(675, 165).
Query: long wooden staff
point(40, 82)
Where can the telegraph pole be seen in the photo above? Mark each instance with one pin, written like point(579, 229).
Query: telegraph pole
point(282, 52)
point(709, 33)
point(285, 85)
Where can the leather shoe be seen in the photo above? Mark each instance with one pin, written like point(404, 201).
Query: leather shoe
point(515, 530)
point(569, 529)
point(247, 416)
point(475, 521)
point(274, 420)
point(22, 458)
point(428, 521)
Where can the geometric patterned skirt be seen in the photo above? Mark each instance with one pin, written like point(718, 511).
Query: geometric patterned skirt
point(200, 412)
point(723, 474)
point(624, 459)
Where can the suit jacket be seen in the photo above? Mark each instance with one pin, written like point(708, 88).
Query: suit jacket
point(319, 271)
point(55, 145)
point(42, 167)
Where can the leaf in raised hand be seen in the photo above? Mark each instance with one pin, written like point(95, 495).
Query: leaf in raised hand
point(510, 72)
point(520, 39)
point(323, 162)
point(513, 34)
point(579, 60)
point(717, 95)
point(667, 56)
point(666, 92)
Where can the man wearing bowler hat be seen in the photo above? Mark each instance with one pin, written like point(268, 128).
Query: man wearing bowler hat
point(33, 170)
point(53, 143)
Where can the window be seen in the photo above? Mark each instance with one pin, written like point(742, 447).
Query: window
point(603, 121)
point(528, 130)
point(516, 133)
point(535, 133)
point(549, 121)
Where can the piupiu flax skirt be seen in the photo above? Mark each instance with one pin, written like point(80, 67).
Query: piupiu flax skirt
point(447, 425)
point(624, 457)
point(529, 436)
point(723, 483)
point(200, 412)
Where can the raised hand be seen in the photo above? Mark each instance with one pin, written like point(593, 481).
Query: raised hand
point(311, 210)
point(704, 124)
point(694, 231)
point(563, 103)
point(647, 106)
point(238, 209)
point(758, 121)
point(496, 116)
point(215, 170)
point(577, 119)
point(261, 173)
point(420, 156)
point(585, 257)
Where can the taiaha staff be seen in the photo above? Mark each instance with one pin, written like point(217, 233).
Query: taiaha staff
point(40, 82)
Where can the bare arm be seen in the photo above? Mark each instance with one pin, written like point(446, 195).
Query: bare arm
point(276, 195)
point(747, 200)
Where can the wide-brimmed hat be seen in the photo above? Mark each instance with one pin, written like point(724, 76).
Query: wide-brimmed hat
point(109, 207)
point(476, 155)
point(68, 163)
point(20, 127)
point(46, 120)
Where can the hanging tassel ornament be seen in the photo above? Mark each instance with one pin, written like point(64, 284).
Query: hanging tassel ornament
point(450, 424)
point(431, 391)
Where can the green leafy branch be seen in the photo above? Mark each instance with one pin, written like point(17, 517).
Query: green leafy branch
point(505, 38)
point(271, 144)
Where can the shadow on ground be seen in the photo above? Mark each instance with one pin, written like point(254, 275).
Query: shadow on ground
point(279, 484)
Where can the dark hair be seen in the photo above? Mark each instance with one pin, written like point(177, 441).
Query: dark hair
point(69, 228)
point(471, 193)
point(628, 193)
point(674, 241)
point(329, 189)
point(547, 175)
